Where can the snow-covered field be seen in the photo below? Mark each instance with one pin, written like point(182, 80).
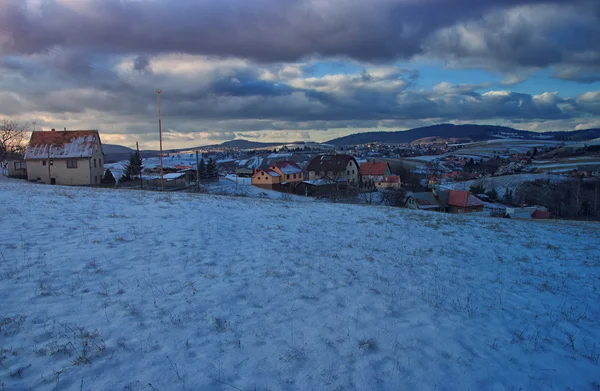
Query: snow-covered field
point(490, 148)
point(106, 289)
point(504, 182)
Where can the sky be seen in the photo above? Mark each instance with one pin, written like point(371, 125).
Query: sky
point(295, 70)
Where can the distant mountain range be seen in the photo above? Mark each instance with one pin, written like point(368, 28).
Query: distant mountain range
point(114, 153)
point(464, 132)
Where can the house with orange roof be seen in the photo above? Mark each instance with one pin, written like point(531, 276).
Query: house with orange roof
point(73, 158)
point(461, 201)
point(278, 175)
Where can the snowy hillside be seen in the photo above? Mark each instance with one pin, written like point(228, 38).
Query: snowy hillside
point(121, 290)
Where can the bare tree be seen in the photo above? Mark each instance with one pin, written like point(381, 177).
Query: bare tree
point(12, 138)
point(393, 197)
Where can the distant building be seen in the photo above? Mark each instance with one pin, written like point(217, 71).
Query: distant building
point(278, 175)
point(461, 201)
point(528, 212)
point(334, 168)
point(451, 201)
point(71, 157)
point(378, 175)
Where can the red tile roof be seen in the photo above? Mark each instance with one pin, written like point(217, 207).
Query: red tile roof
point(373, 168)
point(288, 167)
point(62, 144)
point(463, 199)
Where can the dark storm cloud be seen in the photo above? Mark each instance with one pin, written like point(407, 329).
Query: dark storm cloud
point(532, 37)
point(276, 30)
point(247, 85)
point(378, 94)
point(141, 64)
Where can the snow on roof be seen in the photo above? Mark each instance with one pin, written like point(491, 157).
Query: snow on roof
point(173, 175)
point(62, 144)
point(279, 155)
point(334, 163)
point(322, 182)
point(288, 167)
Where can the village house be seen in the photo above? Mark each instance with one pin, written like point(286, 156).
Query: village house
point(528, 212)
point(16, 166)
point(461, 201)
point(451, 201)
point(278, 176)
point(378, 175)
point(334, 168)
point(423, 201)
point(71, 157)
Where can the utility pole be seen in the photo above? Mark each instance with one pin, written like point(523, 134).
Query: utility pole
point(236, 175)
point(162, 175)
point(137, 146)
point(197, 172)
point(49, 173)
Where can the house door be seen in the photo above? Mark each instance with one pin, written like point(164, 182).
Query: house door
point(53, 181)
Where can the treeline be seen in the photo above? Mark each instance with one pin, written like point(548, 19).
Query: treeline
point(571, 199)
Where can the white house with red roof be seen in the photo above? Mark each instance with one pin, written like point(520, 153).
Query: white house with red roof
point(72, 157)
point(378, 175)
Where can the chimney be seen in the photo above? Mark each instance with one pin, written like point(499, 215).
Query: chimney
point(65, 129)
point(53, 129)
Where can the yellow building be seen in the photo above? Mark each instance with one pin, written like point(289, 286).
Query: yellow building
point(277, 175)
point(71, 157)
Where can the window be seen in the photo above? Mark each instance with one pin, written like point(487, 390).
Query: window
point(460, 210)
point(353, 171)
point(96, 179)
point(95, 166)
point(71, 163)
point(20, 166)
point(347, 172)
point(43, 162)
point(287, 177)
point(100, 162)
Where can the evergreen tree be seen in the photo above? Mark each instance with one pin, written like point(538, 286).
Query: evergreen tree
point(202, 170)
point(477, 189)
point(134, 167)
point(108, 177)
point(508, 197)
point(492, 194)
point(211, 169)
